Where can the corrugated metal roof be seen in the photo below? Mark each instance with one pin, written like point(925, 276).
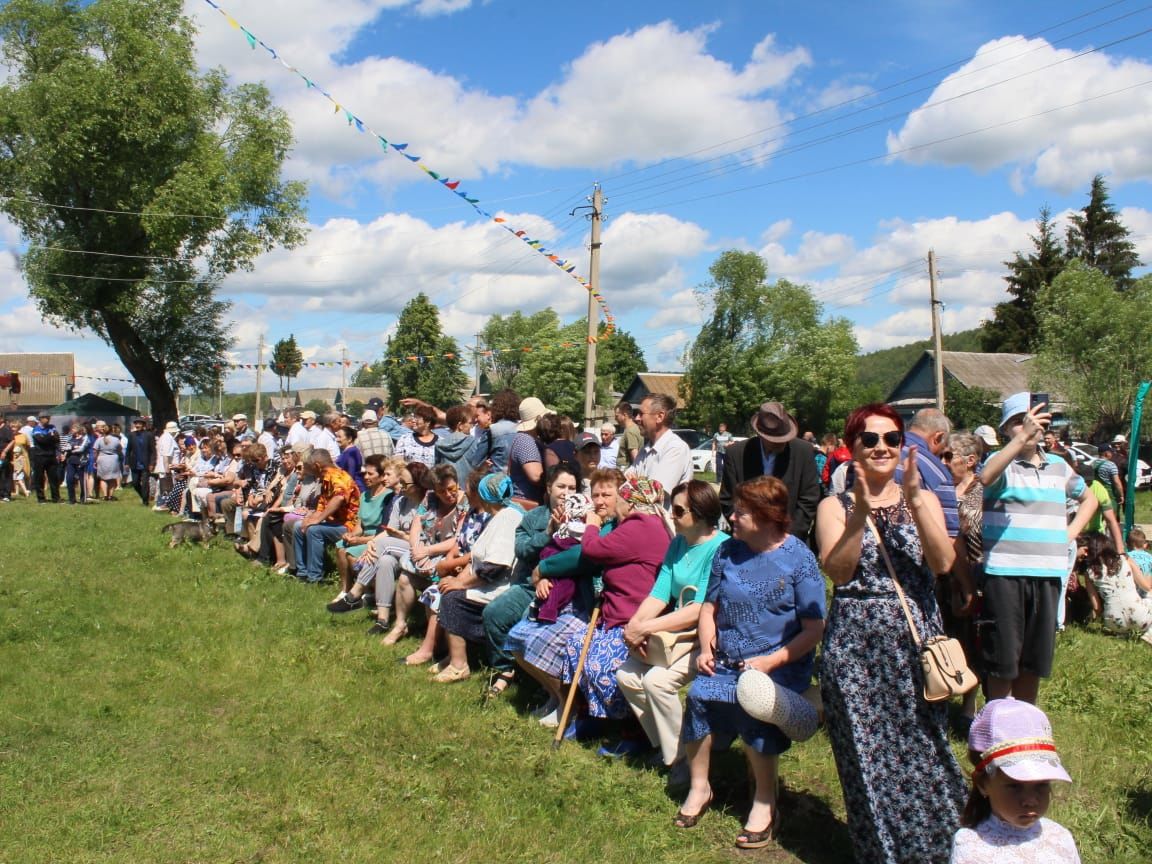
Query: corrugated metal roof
point(44, 378)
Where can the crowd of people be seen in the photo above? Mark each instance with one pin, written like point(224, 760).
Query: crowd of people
point(594, 566)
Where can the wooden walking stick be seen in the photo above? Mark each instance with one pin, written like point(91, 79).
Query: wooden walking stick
point(559, 739)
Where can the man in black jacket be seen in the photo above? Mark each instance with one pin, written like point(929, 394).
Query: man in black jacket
point(141, 458)
point(775, 450)
point(46, 460)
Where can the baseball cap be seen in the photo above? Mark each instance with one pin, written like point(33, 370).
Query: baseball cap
point(1015, 737)
point(31, 418)
point(307, 415)
point(375, 403)
point(586, 439)
point(1119, 439)
point(240, 417)
point(369, 416)
point(987, 434)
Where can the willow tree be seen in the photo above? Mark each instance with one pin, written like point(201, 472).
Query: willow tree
point(138, 182)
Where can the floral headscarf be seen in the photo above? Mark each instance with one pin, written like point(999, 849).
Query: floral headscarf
point(644, 494)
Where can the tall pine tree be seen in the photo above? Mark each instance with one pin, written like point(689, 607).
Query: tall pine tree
point(1099, 239)
point(1013, 325)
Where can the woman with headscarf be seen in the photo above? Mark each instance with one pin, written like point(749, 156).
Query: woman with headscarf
point(487, 575)
point(631, 556)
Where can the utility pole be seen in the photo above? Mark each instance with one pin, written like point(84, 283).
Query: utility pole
point(936, 338)
point(593, 308)
point(476, 390)
point(256, 416)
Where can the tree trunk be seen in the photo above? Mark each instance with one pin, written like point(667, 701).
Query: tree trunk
point(149, 372)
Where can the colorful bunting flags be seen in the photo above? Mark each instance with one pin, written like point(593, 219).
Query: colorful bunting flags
point(451, 185)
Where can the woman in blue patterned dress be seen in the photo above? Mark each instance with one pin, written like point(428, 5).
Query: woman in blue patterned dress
point(903, 789)
point(764, 610)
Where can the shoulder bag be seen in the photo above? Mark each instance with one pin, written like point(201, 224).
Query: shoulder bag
point(666, 647)
point(946, 672)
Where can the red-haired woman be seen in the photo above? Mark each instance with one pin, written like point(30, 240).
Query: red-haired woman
point(764, 610)
point(903, 788)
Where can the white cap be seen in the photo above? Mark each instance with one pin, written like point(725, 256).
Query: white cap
point(369, 416)
point(987, 434)
point(243, 417)
point(1119, 439)
point(31, 418)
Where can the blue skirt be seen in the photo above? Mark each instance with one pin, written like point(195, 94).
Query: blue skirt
point(606, 654)
point(712, 709)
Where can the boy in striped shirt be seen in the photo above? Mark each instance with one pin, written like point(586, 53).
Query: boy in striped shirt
point(1026, 536)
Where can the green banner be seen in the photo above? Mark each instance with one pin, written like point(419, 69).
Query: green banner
point(1133, 457)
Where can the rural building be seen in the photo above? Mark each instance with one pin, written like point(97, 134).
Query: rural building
point(46, 380)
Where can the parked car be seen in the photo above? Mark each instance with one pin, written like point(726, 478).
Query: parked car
point(691, 436)
point(702, 459)
point(1085, 454)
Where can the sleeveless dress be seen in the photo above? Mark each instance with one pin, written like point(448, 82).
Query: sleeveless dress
point(903, 789)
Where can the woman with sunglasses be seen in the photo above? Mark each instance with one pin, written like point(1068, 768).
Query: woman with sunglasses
point(890, 746)
point(653, 692)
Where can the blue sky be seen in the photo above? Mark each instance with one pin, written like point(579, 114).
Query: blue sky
point(840, 141)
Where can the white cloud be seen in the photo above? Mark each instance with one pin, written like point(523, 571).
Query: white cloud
point(817, 251)
point(1062, 149)
point(679, 98)
point(913, 325)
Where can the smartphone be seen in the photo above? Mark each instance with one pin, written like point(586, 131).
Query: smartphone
point(1039, 399)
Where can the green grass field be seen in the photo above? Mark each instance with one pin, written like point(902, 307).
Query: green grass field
point(181, 705)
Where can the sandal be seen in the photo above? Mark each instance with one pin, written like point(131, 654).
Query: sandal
point(759, 839)
point(395, 635)
point(450, 675)
point(685, 820)
point(499, 684)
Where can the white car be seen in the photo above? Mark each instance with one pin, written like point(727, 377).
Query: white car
point(702, 459)
point(1086, 454)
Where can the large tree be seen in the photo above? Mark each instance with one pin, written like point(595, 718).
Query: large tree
point(766, 341)
point(420, 361)
point(507, 337)
point(138, 182)
point(1013, 325)
point(287, 361)
point(1097, 237)
point(1094, 346)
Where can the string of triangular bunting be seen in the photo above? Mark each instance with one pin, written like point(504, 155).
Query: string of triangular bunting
point(443, 179)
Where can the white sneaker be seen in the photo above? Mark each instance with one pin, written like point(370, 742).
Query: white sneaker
point(547, 708)
point(551, 720)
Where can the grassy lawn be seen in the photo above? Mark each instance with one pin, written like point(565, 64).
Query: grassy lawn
point(181, 705)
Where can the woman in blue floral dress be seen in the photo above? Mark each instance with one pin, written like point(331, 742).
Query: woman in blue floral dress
point(903, 789)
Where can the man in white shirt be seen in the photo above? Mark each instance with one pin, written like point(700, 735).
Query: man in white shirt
point(609, 446)
point(267, 437)
point(297, 434)
point(319, 435)
point(665, 456)
point(167, 452)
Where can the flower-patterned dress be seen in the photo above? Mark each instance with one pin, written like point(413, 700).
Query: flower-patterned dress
point(903, 789)
point(994, 841)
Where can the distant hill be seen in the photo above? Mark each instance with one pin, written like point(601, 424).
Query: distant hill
point(882, 370)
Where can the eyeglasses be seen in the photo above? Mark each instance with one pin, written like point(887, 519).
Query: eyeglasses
point(679, 512)
point(893, 438)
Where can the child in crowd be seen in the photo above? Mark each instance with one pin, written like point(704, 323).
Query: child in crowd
point(1015, 762)
point(1116, 584)
point(1139, 555)
point(560, 590)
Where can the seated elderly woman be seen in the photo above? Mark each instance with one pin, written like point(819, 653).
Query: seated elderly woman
point(652, 690)
point(432, 537)
point(532, 534)
point(539, 647)
point(486, 576)
point(764, 610)
point(630, 555)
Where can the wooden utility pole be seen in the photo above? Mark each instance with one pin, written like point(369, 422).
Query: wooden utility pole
point(593, 308)
point(936, 338)
point(476, 389)
point(256, 417)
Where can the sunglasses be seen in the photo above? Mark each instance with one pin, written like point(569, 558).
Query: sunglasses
point(679, 512)
point(893, 438)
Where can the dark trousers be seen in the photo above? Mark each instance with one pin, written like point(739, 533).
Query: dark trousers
point(73, 477)
point(140, 482)
point(271, 527)
point(6, 478)
point(46, 468)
